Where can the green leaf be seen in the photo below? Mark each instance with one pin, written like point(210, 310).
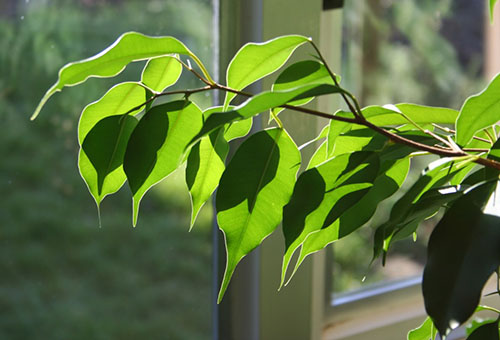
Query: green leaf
point(256, 185)
point(304, 72)
point(492, 8)
point(420, 114)
point(129, 47)
point(318, 157)
point(105, 146)
point(238, 129)
point(157, 145)
point(463, 252)
point(322, 195)
point(487, 331)
point(257, 60)
point(204, 169)
point(261, 103)
point(336, 129)
point(160, 73)
point(118, 100)
point(426, 331)
point(478, 112)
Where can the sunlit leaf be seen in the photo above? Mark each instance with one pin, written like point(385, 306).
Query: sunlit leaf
point(104, 146)
point(261, 103)
point(204, 169)
point(257, 60)
point(256, 185)
point(484, 330)
point(478, 112)
point(463, 252)
point(160, 73)
point(426, 331)
point(129, 47)
point(301, 73)
point(157, 145)
point(420, 114)
point(118, 100)
point(492, 8)
point(322, 195)
point(318, 157)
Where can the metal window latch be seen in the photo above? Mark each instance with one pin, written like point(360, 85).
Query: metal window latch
point(332, 4)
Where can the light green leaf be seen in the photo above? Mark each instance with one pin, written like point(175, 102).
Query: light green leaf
point(301, 73)
point(118, 100)
point(157, 145)
point(322, 195)
point(318, 157)
point(482, 330)
point(463, 253)
point(160, 73)
point(257, 60)
point(426, 331)
point(478, 112)
point(420, 114)
point(129, 47)
point(104, 148)
point(492, 8)
point(261, 103)
point(238, 129)
point(336, 128)
point(204, 169)
point(256, 185)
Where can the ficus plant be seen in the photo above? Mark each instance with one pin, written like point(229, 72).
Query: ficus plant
point(134, 133)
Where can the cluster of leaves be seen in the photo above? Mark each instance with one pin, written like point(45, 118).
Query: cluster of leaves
point(363, 158)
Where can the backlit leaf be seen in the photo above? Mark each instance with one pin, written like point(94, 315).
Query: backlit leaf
point(478, 112)
point(257, 60)
point(463, 252)
point(104, 146)
point(261, 103)
point(157, 145)
point(323, 194)
point(253, 189)
point(118, 100)
point(420, 114)
point(426, 331)
point(160, 73)
point(204, 169)
point(129, 47)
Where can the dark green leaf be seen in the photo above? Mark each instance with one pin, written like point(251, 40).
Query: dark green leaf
point(129, 47)
point(157, 145)
point(253, 189)
point(463, 252)
point(487, 331)
point(257, 60)
point(479, 112)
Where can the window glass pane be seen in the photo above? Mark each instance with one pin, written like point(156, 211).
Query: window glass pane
point(425, 52)
point(63, 277)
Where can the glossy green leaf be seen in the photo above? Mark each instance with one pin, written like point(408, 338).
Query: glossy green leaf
point(492, 8)
point(160, 73)
point(463, 252)
point(478, 112)
point(105, 146)
point(256, 185)
point(426, 331)
point(204, 169)
point(261, 103)
point(420, 114)
point(322, 195)
point(118, 100)
point(129, 47)
point(257, 60)
point(301, 73)
point(157, 145)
